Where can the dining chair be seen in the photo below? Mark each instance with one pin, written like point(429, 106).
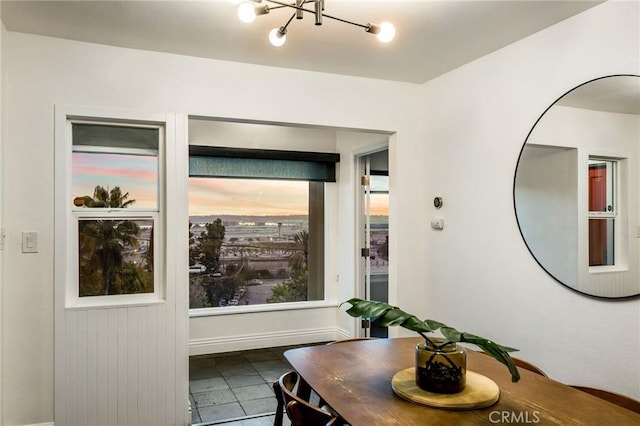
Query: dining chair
point(302, 414)
point(528, 366)
point(614, 398)
point(524, 365)
point(353, 339)
point(292, 395)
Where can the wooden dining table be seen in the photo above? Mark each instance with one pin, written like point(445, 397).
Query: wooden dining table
point(354, 378)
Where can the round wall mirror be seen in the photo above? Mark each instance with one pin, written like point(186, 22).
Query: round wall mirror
point(577, 188)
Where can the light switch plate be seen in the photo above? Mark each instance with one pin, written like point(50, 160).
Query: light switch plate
point(437, 223)
point(29, 242)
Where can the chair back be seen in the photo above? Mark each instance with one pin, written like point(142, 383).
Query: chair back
point(528, 366)
point(303, 414)
point(614, 398)
point(278, 419)
point(353, 339)
point(299, 410)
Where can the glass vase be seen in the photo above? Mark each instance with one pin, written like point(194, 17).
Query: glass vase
point(441, 366)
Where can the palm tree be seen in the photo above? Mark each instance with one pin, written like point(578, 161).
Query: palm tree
point(210, 244)
point(296, 289)
point(102, 242)
point(102, 197)
point(299, 257)
point(282, 293)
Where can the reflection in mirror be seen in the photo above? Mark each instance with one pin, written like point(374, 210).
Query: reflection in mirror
point(577, 188)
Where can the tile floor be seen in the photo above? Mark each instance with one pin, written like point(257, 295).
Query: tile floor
point(236, 385)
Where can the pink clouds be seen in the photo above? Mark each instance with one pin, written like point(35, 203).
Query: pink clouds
point(135, 174)
point(120, 165)
point(247, 197)
point(123, 173)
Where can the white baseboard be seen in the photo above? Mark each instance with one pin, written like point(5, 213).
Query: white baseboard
point(341, 333)
point(42, 424)
point(264, 340)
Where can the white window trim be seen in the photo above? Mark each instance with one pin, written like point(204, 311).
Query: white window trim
point(73, 300)
point(619, 214)
point(266, 307)
point(66, 216)
point(108, 150)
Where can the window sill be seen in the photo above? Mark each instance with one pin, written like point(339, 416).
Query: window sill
point(273, 307)
point(607, 269)
point(114, 301)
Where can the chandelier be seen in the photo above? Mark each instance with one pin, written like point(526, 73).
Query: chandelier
point(250, 9)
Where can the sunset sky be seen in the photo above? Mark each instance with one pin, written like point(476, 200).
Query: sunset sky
point(247, 197)
point(136, 174)
point(207, 196)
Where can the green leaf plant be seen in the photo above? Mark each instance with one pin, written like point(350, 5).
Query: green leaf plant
point(386, 315)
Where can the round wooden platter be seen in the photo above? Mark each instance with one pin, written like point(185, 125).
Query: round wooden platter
point(479, 392)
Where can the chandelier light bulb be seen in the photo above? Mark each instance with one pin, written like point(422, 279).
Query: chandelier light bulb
point(277, 37)
point(246, 12)
point(387, 32)
point(249, 10)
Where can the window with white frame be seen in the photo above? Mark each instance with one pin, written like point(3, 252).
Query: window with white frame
point(603, 211)
point(256, 226)
point(115, 205)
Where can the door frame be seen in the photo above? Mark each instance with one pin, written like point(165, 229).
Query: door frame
point(362, 268)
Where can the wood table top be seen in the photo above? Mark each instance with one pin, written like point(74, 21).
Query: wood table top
point(354, 378)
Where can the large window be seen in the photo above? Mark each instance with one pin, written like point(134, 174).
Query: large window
point(115, 205)
point(258, 237)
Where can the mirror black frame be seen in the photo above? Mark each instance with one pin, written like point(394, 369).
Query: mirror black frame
point(515, 175)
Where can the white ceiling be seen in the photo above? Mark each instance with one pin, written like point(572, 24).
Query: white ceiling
point(619, 94)
point(433, 37)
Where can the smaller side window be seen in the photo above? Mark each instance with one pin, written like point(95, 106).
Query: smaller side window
point(603, 211)
point(115, 187)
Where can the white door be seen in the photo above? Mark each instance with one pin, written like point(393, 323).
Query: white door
point(120, 316)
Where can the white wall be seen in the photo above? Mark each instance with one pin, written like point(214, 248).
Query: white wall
point(481, 276)
point(546, 199)
point(42, 72)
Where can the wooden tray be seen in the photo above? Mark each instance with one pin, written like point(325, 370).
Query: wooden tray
point(480, 391)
